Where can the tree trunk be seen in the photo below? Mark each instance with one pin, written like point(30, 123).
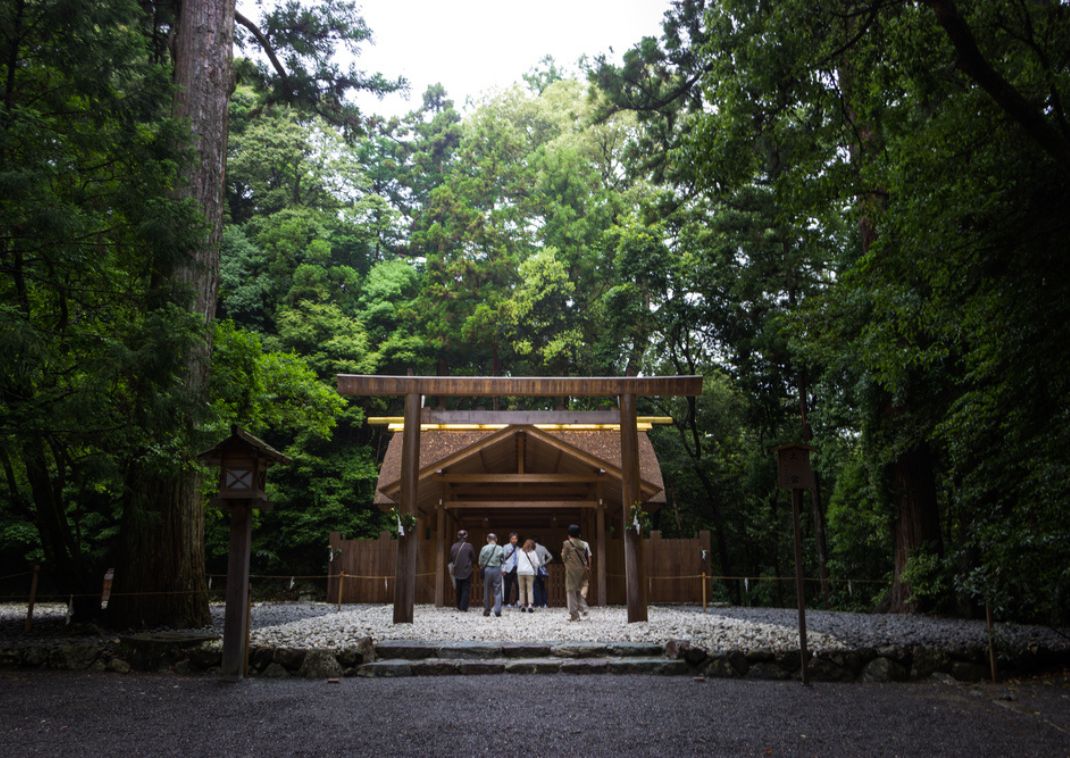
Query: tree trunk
point(63, 555)
point(917, 520)
point(820, 536)
point(162, 540)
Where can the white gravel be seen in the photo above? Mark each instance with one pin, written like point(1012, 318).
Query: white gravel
point(309, 624)
point(338, 629)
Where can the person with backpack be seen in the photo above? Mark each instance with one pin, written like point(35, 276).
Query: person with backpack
point(576, 556)
point(490, 561)
point(542, 574)
point(527, 565)
point(462, 558)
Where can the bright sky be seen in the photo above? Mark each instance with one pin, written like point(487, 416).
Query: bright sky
point(475, 46)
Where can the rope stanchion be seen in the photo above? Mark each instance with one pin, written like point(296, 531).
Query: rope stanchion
point(33, 598)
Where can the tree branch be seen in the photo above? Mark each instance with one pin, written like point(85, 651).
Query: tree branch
point(972, 62)
point(264, 43)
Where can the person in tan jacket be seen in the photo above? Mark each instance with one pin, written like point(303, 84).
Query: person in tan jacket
point(576, 556)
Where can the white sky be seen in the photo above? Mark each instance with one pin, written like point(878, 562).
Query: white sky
point(475, 46)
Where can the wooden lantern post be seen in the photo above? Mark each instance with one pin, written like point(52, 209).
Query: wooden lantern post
point(794, 473)
point(243, 461)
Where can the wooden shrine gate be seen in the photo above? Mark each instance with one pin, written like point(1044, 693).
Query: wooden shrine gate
point(631, 487)
point(672, 569)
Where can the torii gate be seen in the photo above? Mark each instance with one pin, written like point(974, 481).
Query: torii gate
point(625, 388)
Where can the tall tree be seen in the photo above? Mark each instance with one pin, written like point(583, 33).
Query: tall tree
point(160, 578)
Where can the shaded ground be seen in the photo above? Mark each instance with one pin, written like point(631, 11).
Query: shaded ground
point(59, 713)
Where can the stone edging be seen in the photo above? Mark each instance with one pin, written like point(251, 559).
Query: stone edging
point(884, 664)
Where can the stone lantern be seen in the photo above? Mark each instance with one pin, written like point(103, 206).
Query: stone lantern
point(243, 461)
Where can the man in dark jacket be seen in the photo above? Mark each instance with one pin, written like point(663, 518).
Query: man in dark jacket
point(462, 558)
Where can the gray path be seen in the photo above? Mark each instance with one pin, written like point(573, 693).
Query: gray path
point(59, 713)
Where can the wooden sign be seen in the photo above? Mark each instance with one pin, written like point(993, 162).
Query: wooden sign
point(793, 467)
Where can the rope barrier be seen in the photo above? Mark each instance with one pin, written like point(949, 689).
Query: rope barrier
point(755, 578)
point(389, 577)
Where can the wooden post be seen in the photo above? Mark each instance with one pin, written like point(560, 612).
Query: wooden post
point(341, 589)
point(440, 555)
point(33, 597)
point(237, 611)
point(405, 568)
point(991, 643)
point(248, 626)
point(703, 591)
point(633, 555)
point(600, 550)
point(800, 595)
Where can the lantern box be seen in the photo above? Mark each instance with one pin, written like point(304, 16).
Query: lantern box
point(243, 461)
point(793, 467)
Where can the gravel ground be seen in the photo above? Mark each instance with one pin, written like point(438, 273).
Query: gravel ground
point(320, 625)
point(48, 713)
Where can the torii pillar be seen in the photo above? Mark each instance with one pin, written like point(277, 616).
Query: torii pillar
point(629, 487)
point(405, 568)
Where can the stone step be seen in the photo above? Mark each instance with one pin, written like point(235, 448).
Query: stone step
point(421, 650)
point(537, 665)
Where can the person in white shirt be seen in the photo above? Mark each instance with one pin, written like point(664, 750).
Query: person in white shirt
point(527, 565)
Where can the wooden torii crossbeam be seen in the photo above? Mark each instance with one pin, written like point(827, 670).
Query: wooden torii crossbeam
point(625, 388)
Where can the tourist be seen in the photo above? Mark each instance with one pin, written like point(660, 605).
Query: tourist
point(527, 564)
point(541, 575)
point(576, 556)
point(462, 560)
point(490, 560)
point(509, 569)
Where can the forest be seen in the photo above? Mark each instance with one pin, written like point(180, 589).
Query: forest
point(851, 218)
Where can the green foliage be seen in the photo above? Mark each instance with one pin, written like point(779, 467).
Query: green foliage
point(812, 207)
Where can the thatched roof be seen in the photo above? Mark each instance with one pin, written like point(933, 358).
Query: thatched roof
point(546, 452)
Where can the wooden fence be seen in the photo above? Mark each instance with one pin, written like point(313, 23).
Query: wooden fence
point(672, 569)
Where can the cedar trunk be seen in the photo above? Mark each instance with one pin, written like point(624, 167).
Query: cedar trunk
point(162, 547)
point(917, 521)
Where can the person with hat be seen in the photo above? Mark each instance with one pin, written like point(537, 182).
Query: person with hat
point(462, 561)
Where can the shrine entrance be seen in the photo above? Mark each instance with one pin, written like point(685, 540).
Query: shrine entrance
point(529, 472)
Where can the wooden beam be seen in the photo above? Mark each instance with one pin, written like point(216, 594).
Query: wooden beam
point(520, 417)
point(629, 464)
point(460, 505)
point(543, 492)
point(405, 568)
point(519, 386)
point(517, 418)
point(517, 478)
